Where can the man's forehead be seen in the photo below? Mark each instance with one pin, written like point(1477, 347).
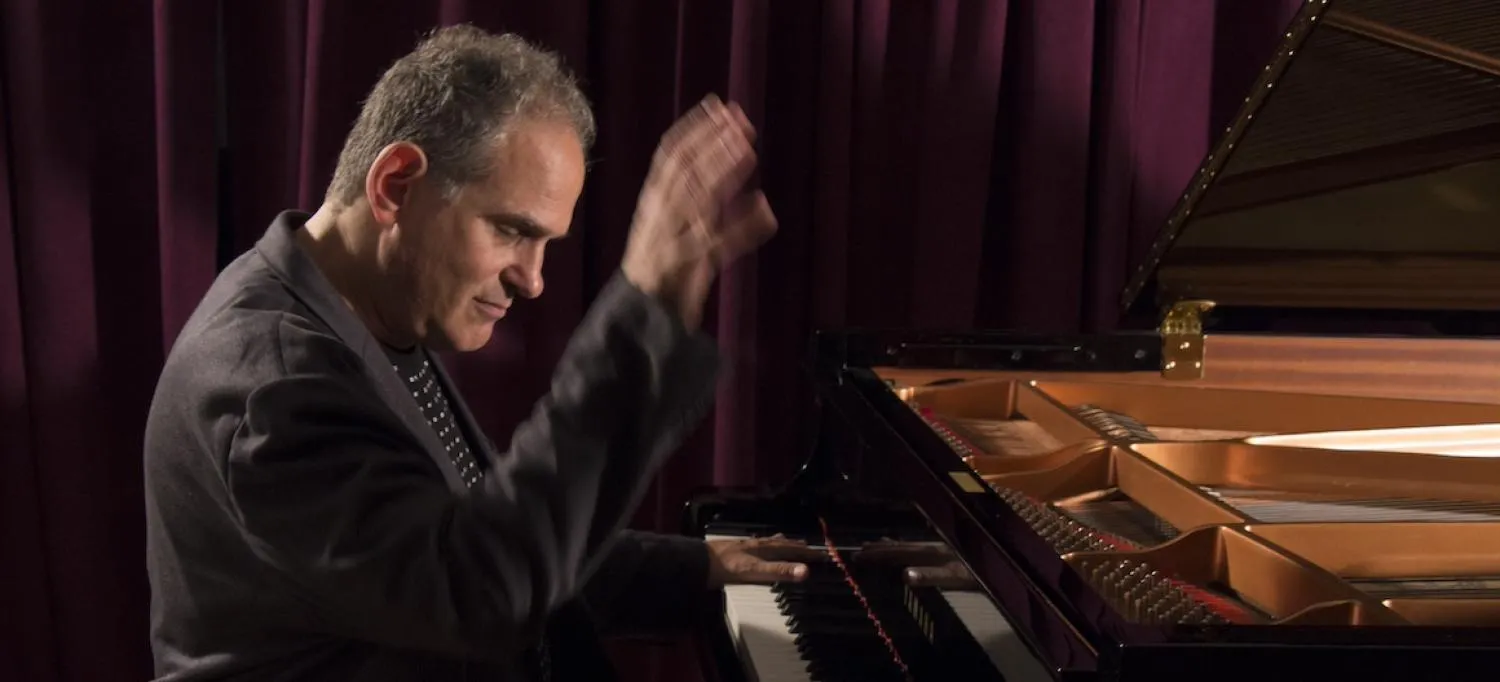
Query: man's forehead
point(538, 142)
point(524, 206)
point(535, 179)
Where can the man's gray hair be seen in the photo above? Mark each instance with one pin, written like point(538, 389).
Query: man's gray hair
point(453, 96)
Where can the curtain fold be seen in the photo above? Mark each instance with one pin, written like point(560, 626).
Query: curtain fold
point(942, 164)
point(28, 646)
point(186, 127)
point(81, 167)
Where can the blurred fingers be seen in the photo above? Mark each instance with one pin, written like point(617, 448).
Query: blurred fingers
point(705, 158)
point(951, 576)
point(774, 571)
point(747, 222)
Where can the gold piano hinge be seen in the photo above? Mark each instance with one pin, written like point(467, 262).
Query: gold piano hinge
point(1182, 340)
point(903, 392)
point(967, 481)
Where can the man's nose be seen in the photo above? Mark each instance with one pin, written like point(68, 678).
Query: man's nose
point(524, 276)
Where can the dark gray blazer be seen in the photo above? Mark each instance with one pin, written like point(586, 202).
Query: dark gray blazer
point(304, 522)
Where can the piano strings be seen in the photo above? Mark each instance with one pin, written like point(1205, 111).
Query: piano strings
point(959, 443)
point(1064, 534)
point(1137, 590)
point(1014, 437)
point(1110, 519)
point(1107, 521)
point(1111, 511)
point(1273, 506)
point(1114, 512)
point(1466, 587)
point(1115, 426)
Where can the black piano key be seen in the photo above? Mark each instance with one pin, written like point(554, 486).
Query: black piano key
point(834, 631)
point(835, 634)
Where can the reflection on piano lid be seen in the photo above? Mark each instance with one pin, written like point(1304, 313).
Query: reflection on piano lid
point(1209, 497)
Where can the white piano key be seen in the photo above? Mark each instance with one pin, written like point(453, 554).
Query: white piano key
point(763, 635)
point(995, 635)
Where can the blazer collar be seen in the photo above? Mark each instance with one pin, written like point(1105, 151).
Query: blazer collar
point(279, 248)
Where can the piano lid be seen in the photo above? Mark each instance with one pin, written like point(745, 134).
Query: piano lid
point(1362, 174)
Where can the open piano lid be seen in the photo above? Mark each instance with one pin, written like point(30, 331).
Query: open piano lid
point(1359, 182)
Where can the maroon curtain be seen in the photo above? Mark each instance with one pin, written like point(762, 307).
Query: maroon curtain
point(934, 164)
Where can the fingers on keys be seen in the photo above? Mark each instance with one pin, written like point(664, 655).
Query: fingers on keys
point(780, 548)
point(778, 571)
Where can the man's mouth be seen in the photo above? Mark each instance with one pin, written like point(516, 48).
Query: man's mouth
point(495, 310)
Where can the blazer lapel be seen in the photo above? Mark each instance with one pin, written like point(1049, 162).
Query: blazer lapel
point(399, 398)
point(280, 250)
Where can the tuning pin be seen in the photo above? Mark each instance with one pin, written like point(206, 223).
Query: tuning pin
point(1099, 575)
point(1159, 591)
point(1156, 611)
point(1171, 610)
point(1136, 592)
point(1116, 579)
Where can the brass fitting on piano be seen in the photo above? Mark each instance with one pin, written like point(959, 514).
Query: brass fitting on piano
point(1181, 334)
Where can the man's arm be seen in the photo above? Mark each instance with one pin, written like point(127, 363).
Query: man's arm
point(330, 490)
point(649, 583)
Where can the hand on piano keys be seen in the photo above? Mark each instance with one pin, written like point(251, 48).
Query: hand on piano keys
point(819, 629)
point(927, 564)
point(759, 561)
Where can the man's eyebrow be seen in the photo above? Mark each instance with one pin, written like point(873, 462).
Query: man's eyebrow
point(522, 223)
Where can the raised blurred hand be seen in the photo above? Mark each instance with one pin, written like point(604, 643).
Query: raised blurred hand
point(695, 214)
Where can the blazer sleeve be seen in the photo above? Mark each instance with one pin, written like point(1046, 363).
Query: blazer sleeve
point(330, 490)
point(650, 583)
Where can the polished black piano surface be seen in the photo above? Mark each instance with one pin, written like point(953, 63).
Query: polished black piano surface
point(1358, 185)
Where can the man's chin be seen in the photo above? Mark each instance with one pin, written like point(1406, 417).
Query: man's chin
point(467, 339)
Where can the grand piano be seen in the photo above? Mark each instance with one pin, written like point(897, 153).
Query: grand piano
point(1287, 465)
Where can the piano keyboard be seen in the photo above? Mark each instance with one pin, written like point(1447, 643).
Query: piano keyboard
point(817, 631)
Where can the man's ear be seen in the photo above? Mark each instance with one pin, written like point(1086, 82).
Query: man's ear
point(388, 185)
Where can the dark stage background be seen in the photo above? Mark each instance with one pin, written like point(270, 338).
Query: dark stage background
point(934, 164)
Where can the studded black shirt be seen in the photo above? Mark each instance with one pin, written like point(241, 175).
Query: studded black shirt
point(416, 372)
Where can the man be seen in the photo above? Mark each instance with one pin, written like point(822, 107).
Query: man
point(320, 502)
